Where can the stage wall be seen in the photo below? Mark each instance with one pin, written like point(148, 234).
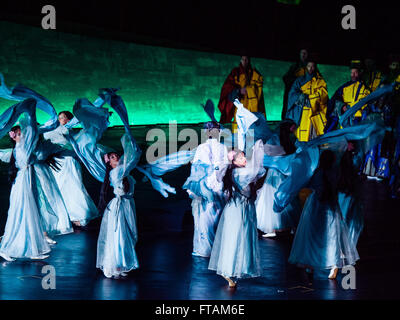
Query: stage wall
point(158, 84)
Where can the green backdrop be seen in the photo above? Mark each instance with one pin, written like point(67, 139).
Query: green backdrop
point(158, 84)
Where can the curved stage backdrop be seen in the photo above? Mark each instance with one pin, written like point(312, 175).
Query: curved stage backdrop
point(158, 84)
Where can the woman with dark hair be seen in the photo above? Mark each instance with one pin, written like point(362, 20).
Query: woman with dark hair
point(81, 208)
point(322, 240)
point(268, 220)
point(116, 254)
point(24, 234)
point(235, 253)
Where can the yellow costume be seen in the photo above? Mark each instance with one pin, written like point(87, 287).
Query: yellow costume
point(313, 112)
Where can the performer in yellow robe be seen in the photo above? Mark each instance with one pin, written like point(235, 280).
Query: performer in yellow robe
point(246, 84)
point(307, 103)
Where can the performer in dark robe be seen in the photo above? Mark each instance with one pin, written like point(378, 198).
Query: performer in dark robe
point(296, 70)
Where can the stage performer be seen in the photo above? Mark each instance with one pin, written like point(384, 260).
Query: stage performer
point(307, 103)
point(235, 252)
point(246, 84)
point(80, 206)
point(298, 69)
point(346, 97)
point(24, 234)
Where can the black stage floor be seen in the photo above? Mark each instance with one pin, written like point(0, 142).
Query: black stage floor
point(168, 270)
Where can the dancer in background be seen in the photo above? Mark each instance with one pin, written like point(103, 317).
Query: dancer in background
point(81, 208)
point(269, 221)
point(297, 69)
point(24, 234)
point(205, 188)
point(307, 102)
point(52, 208)
point(322, 239)
point(246, 84)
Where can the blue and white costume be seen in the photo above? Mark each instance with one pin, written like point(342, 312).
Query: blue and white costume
point(24, 231)
point(235, 252)
point(79, 204)
point(205, 189)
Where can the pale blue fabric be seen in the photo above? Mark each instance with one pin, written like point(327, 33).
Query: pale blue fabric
point(235, 251)
point(118, 232)
point(23, 235)
point(352, 214)
point(78, 203)
point(205, 190)
point(20, 93)
point(300, 166)
point(322, 238)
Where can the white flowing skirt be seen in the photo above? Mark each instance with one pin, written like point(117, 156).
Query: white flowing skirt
point(23, 236)
point(206, 215)
point(77, 201)
point(117, 238)
point(267, 219)
point(54, 214)
point(322, 238)
point(235, 252)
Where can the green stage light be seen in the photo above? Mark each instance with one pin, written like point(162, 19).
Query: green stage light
point(158, 84)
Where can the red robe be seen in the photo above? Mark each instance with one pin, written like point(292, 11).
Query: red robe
point(225, 105)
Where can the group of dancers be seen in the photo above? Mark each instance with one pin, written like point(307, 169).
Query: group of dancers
point(233, 193)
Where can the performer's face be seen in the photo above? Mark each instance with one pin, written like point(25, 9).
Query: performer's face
point(63, 118)
point(354, 74)
point(303, 55)
point(244, 61)
point(17, 137)
point(310, 67)
point(114, 160)
point(240, 160)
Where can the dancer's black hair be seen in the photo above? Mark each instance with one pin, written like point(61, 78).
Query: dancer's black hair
point(229, 184)
point(347, 174)
point(106, 193)
point(12, 168)
point(284, 136)
point(326, 163)
point(68, 114)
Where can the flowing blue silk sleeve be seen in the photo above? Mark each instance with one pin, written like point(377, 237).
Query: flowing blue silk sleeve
point(20, 93)
point(244, 120)
point(157, 183)
point(94, 120)
point(209, 109)
point(5, 155)
point(11, 115)
point(300, 166)
point(170, 162)
point(344, 119)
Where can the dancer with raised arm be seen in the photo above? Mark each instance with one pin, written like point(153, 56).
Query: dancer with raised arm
point(116, 254)
point(24, 234)
point(81, 208)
